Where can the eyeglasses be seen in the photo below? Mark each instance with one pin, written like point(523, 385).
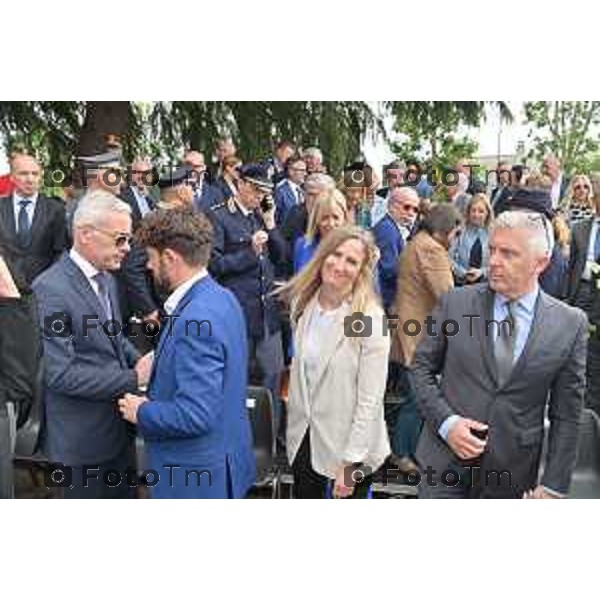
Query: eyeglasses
point(582, 187)
point(120, 239)
point(409, 208)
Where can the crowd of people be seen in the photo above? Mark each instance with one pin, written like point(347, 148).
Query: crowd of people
point(298, 276)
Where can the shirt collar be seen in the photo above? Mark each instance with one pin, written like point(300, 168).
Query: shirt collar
point(88, 269)
point(175, 298)
point(242, 208)
point(526, 302)
point(17, 198)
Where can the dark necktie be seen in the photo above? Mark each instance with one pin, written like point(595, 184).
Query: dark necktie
point(23, 234)
point(597, 243)
point(476, 255)
point(504, 348)
point(102, 280)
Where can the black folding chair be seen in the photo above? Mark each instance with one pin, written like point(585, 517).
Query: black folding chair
point(260, 410)
point(27, 453)
point(585, 482)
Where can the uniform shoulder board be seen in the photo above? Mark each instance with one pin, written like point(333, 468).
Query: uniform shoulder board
point(218, 206)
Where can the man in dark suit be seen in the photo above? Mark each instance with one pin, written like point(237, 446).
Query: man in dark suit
point(289, 192)
point(194, 414)
point(33, 228)
point(583, 277)
point(247, 245)
point(484, 416)
point(89, 362)
point(19, 363)
point(136, 192)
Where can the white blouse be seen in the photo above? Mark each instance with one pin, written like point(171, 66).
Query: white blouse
point(321, 325)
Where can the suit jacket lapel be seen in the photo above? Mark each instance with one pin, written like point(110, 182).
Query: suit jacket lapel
point(85, 289)
point(537, 327)
point(39, 217)
point(8, 218)
point(330, 346)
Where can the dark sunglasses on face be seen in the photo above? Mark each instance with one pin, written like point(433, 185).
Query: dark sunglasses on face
point(409, 208)
point(582, 187)
point(120, 239)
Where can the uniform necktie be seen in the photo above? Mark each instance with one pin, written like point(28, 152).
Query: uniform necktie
point(23, 234)
point(504, 349)
point(102, 280)
point(476, 255)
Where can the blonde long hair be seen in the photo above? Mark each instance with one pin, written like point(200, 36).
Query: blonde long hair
point(301, 289)
point(326, 203)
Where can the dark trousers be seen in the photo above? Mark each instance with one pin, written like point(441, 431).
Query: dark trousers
point(310, 485)
point(265, 356)
point(401, 415)
point(99, 481)
point(8, 434)
point(587, 300)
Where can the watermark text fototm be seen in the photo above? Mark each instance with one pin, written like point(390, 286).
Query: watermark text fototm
point(468, 476)
point(359, 325)
point(61, 476)
point(60, 325)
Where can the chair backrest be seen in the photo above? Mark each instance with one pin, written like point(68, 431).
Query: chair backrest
point(259, 402)
point(30, 419)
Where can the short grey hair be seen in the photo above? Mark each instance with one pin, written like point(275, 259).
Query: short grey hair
point(314, 152)
point(320, 182)
point(95, 206)
point(541, 240)
point(403, 193)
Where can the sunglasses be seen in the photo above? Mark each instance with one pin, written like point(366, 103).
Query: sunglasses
point(120, 239)
point(409, 208)
point(582, 187)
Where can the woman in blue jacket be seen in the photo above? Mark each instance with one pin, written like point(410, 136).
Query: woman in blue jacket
point(469, 252)
point(328, 213)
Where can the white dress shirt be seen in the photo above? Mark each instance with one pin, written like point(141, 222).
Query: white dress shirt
point(86, 267)
point(175, 298)
point(141, 200)
point(30, 208)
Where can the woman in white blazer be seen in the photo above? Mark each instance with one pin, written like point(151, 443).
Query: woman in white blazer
point(336, 433)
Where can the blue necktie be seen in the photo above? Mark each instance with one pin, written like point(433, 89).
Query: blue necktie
point(504, 349)
point(23, 234)
point(102, 280)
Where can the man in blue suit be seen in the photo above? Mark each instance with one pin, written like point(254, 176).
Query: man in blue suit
point(391, 234)
point(87, 366)
point(288, 192)
point(194, 418)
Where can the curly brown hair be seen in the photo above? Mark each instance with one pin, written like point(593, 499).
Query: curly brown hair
point(182, 230)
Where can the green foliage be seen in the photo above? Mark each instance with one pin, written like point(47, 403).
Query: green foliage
point(567, 130)
point(163, 129)
point(430, 129)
